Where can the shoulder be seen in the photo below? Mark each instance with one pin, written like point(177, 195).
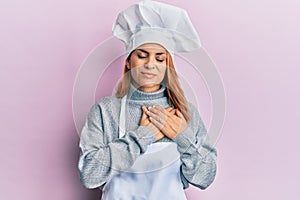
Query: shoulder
point(108, 100)
point(105, 104)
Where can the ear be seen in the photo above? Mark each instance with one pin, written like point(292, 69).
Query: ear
point(128, 64)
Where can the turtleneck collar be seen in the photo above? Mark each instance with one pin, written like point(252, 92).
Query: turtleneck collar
point(136, 94)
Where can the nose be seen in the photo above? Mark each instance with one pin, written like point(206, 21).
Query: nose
point(149, 66)
point(150, 63)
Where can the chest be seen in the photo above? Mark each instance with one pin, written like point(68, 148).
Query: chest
point(133, 111)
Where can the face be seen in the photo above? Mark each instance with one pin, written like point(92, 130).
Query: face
point(147, 66)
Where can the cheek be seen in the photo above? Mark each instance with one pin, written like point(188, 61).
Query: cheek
point(163, 72)
point(135, 73)
point(135, 63)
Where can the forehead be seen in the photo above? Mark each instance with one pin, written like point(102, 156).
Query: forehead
point(152, 47)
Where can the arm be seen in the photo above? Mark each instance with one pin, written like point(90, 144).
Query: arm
point(197, 155)
point(101, 160)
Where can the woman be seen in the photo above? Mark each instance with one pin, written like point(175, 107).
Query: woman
point(147, 142)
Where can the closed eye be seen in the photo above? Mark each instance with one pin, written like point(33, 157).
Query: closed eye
point(160, 60)
point(140, 56)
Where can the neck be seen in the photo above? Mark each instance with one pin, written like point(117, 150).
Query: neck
point(135, 93)
point(152, 88)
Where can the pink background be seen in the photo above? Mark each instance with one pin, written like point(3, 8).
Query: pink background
point(255, 45)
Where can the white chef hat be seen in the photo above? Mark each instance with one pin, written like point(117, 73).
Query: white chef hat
point(155, 22)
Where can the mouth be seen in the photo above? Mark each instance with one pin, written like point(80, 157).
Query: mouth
point(148, 75)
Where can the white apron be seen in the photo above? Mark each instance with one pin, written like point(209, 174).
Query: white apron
point(154, 175)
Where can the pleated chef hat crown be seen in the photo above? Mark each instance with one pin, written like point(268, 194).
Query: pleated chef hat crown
point(154, 22)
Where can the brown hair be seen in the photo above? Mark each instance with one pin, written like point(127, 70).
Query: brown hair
point(174, 91)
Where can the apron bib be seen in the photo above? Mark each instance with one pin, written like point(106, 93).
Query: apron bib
point(154, 175)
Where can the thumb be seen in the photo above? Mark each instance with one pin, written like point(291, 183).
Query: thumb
point(178, 113)
point(144, 115)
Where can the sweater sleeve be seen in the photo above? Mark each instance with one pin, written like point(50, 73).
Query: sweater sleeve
point(197, 155)
point(100, 160)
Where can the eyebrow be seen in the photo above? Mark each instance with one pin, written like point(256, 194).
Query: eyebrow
point(144, 51)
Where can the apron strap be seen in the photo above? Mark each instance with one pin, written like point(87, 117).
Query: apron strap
point(122, 128)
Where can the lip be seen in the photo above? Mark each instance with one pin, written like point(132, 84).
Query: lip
point(148, 75)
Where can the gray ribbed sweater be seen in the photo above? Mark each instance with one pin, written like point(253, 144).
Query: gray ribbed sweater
point(104, 154)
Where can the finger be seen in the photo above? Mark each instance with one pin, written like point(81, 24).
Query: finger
point(178, 113)
point(157, 117)
point(170, 111)
point(158, 114)
point(156, 110)
point(144, 115)
point(156, 123)
point(159, 136)
point(145, 110)
point(182, 119)
point(160, 109)
point(167, 129)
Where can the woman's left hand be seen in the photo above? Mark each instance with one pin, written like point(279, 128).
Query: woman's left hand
point(170, 121)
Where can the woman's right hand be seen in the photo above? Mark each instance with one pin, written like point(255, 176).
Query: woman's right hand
point(146, 122)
